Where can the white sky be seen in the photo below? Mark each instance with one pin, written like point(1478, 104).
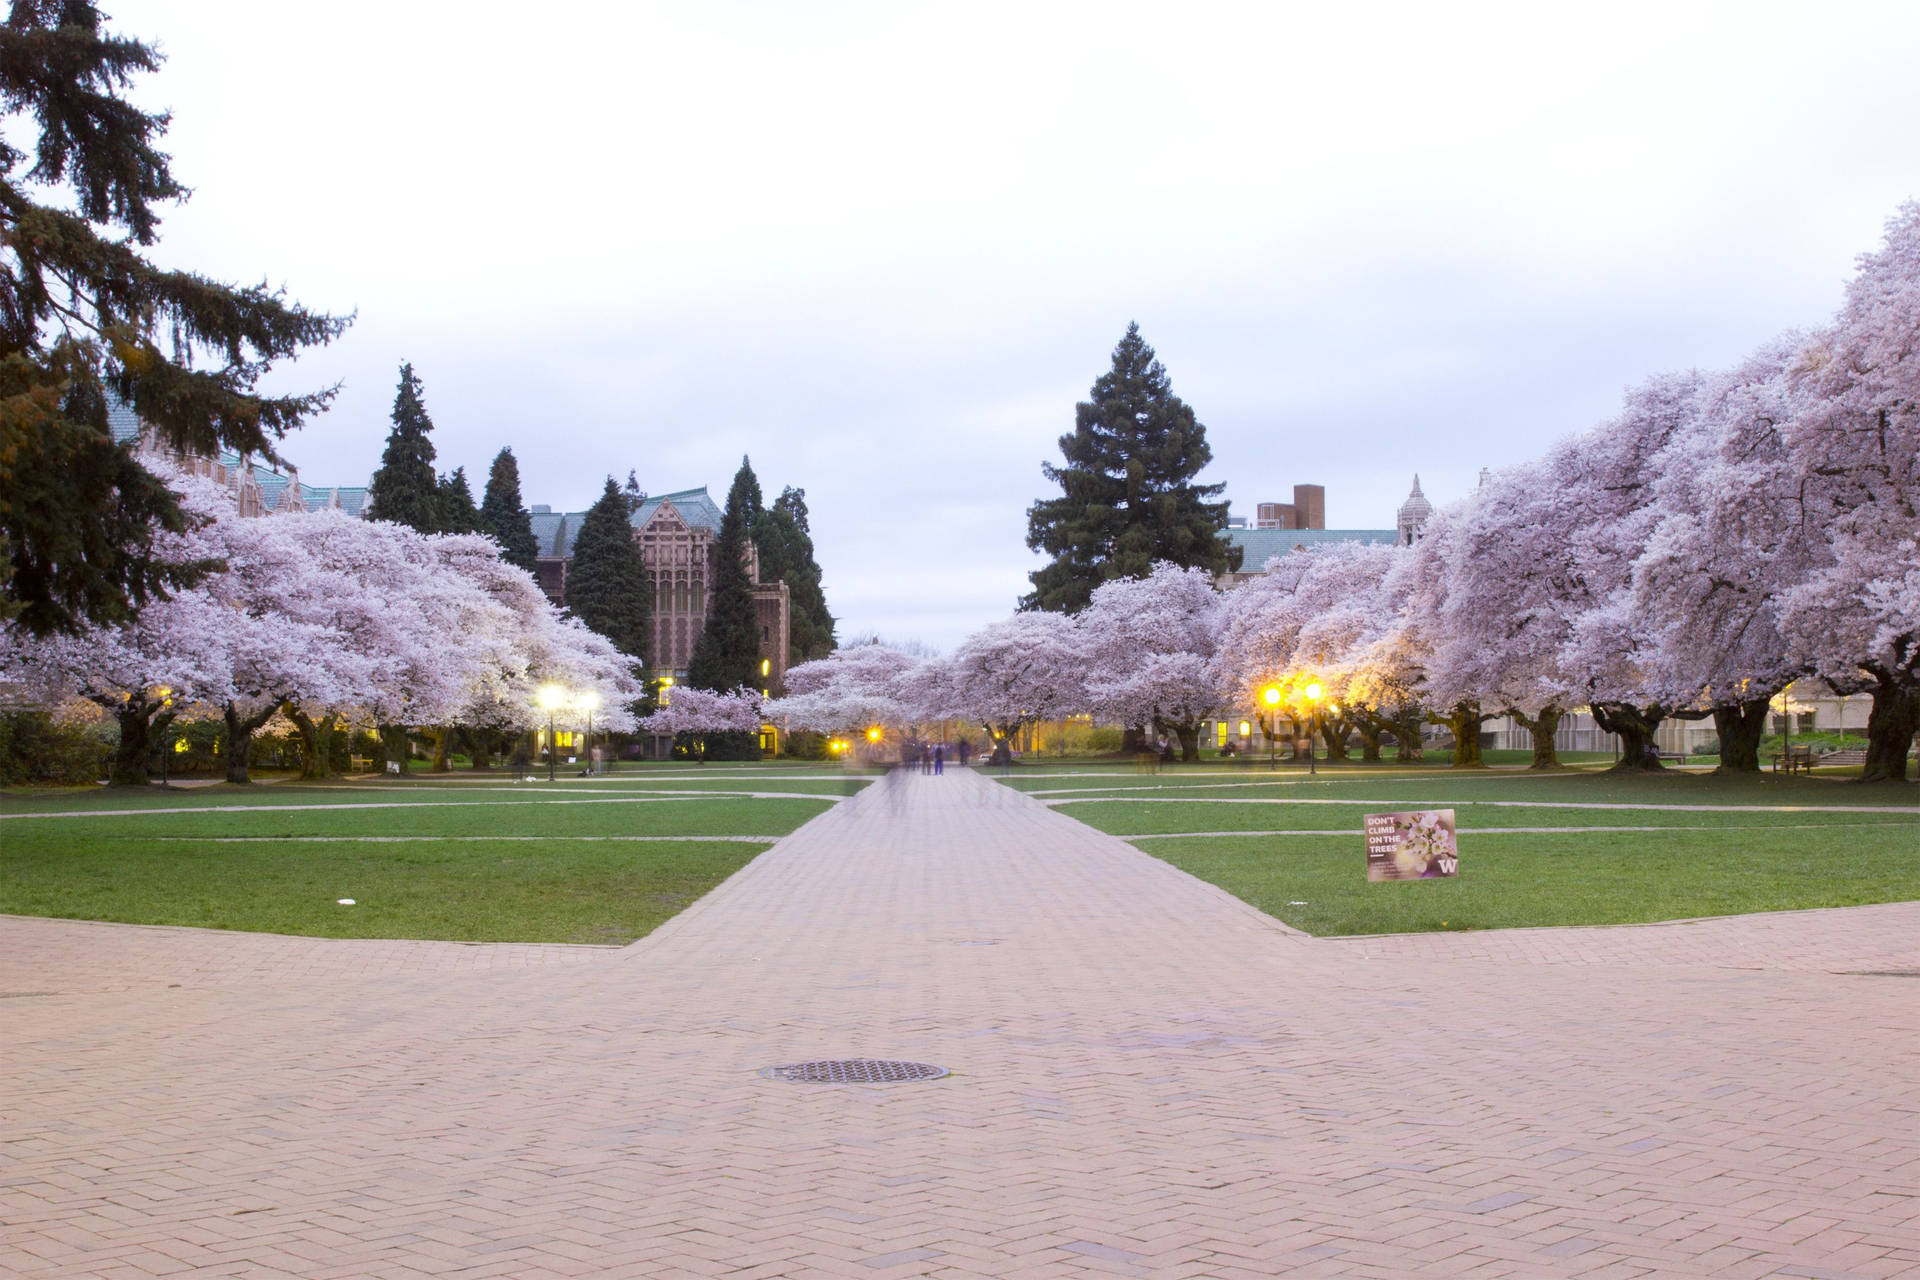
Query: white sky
point(885, 248)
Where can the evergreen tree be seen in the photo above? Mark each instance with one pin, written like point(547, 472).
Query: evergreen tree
point(1127, 495)
point(607, 584)
point(503, 518)
point(786, 555)
point(404, 489)
point(457, 512)
point(636, 496)
point(83, 314)
point(727, 655)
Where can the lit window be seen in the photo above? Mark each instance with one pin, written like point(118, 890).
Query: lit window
point(1246, 728)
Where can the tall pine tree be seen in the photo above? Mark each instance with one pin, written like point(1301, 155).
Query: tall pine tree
point(457, 512)
point(727, 655)
point(84, 313)
point(404, 489)
point(503, 519)
point(607, 584)
point(786, 554)
point(1127, 497)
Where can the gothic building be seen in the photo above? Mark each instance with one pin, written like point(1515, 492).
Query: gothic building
point(257, 490)
point(677, 534)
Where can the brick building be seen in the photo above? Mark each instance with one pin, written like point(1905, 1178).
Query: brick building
point(677, 533)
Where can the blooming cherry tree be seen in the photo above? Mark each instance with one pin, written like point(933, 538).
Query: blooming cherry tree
point(1012, 674)
point(1149, 646)
point(699, 713)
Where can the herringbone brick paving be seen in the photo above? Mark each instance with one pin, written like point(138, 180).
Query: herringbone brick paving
point(1150, 1079)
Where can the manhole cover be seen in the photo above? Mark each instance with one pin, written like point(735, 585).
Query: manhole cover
point(854, 1071)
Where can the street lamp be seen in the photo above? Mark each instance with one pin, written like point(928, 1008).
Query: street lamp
point(551, 696)
point(589, 701)
point(1272, 697)
point(1313, 692)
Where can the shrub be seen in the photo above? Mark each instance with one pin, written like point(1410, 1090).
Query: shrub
point(36, 750)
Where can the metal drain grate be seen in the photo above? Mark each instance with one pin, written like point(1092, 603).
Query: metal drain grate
point(854, 1071)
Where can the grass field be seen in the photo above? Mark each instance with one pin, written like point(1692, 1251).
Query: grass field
point(457, 857)
point(1573, 848)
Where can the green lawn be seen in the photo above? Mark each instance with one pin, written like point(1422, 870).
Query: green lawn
point(1719, 846)
point(421, 857)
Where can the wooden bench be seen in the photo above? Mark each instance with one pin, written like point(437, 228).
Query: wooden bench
point(1855, 755)
point(1793, 758)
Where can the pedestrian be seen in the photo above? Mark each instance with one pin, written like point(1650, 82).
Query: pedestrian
point(939, 758)
point(966, 751)
point(926, 758)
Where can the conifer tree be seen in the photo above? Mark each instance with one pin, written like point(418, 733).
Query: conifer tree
point(1127, 496)
point(457, 512)
point(503, 519)
point(727, 655)
point(607, 584)
point(404, 489)
point(83, 313)
point(786, 554)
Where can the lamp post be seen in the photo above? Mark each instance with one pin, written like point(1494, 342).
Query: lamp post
point(588, 702)
point(1313, 692)
point(551, 696)
point(1272, 697)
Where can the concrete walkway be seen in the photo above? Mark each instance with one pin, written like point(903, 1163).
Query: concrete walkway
point(1150, 1078)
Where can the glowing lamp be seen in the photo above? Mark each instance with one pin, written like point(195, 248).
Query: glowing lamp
point(552, 697)
point(1272, 695)
point(1313, 691)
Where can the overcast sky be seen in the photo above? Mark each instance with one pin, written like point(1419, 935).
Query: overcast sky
point(885, 248)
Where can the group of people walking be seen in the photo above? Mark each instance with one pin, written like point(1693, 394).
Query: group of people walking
point(933, 755)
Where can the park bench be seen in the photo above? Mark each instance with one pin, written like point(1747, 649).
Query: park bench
point(1800, 758)
point(1853, 756)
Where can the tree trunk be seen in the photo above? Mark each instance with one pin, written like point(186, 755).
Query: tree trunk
point(480, 748)
point(316, 737)
point(1133, 740)
point(1369, 730)
point(1189, 736)
point(1334, 733)
point(1406, 732)
point(1740, 726)
point(1002, 745)
point(1635, 728)
point(442, 737)
point(1890, 729)
point(395, 749)
point(1542, 727)
point(137, 719)
point(1463, 720)
point(240, 729)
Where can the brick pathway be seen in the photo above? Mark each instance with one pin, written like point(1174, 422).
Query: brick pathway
point(1149, 1079)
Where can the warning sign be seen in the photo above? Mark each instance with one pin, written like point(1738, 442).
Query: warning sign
point(1417, 845)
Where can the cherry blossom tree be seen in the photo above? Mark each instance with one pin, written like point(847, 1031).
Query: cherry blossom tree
point(176, 652)
point(853, 689)
point(1856, 448)
point(1149, 646)
point(1486, 600)
point(1328, 618)
point(1603, 508)
point(1730, 540)
point(1011, 674)
point(699, 713)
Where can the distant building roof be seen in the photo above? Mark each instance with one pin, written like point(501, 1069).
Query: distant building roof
point(1262, 545)
point(550, 531)
point(694, 506)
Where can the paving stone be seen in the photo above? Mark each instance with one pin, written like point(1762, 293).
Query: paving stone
point(1149, 1077)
